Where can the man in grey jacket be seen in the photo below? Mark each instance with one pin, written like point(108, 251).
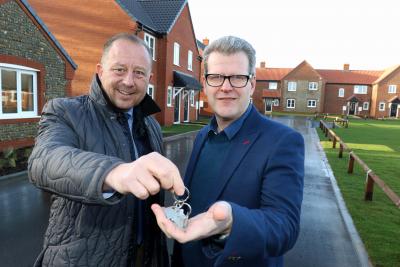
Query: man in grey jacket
point(100, 156)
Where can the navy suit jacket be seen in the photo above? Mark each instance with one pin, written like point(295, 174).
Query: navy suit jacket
point(262, 178)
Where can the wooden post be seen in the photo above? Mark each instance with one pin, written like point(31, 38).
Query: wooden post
point(334, 142)
point(369, 187)
point(351, 163)
point(341, 150)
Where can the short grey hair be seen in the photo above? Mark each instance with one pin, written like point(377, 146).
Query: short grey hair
point(125, 36)
point(229, 45)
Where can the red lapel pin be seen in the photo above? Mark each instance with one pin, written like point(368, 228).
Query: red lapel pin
point(246, 142)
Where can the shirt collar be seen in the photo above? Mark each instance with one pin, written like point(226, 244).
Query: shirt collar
point(234, 127)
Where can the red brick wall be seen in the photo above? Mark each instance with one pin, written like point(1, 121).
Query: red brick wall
point(333, 103)
point(182, 33)
point(383, 95)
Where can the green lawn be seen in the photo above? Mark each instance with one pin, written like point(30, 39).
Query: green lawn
point(181, 128)
point(377, 143)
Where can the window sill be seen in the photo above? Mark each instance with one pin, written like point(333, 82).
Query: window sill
point(19, 120)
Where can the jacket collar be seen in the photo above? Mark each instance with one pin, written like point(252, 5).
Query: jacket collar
point(97, 94)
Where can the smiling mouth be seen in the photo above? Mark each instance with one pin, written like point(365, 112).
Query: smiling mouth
point(125, 92)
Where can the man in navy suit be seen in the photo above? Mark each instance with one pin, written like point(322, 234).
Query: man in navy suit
point(245, 174)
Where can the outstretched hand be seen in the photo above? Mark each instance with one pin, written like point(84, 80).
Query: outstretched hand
point(216, 220)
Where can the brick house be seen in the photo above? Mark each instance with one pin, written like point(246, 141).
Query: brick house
point(165, 25)
point(34, 67)
point(346, 92)
point(268, 93)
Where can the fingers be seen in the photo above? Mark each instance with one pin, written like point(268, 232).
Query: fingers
point(145, 176)
point(165, 171)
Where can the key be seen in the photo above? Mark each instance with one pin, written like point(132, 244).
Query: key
point(179, 212)
point(177, 216)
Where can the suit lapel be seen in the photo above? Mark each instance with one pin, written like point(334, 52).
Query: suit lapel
point(197, 146)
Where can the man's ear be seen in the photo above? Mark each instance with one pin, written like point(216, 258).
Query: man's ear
point(253, 84)
point(99, 70)
point(150, 76)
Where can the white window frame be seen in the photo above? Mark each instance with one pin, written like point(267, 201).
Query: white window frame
point(290, 103)
point(292, 86)
point(150, 90)
point(312, 86)
point(360, 89)
point(17, 96)
point(176, 53)
point(311, 103)
point(169, 96)
point(381, 106)
point(191, 98)
point(151, 43)
point(341, 92)
point(272, 85)
point(392, 89)
point(365, 105)
point(190, 60)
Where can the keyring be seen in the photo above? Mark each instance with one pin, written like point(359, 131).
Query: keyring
point(179, 199)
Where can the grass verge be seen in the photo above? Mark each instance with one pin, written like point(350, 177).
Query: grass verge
point(378, 221)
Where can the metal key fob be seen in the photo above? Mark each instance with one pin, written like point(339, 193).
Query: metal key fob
point(179, 212)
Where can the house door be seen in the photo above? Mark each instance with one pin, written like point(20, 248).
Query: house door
point(393, 110)
point(186, 107)
point(352, 108)
point(268, 105)
point(177, 108)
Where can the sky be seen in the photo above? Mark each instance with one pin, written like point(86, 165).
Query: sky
point(325, 33)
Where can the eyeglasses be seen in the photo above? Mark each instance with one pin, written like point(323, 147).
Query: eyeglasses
point(236, 81)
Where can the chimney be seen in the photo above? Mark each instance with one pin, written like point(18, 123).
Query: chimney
point(262, 64)
point(346, 66)
point(206, 41)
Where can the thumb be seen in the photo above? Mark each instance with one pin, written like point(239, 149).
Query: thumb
point(221, 211)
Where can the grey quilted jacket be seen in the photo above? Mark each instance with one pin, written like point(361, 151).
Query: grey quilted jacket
point(78, 143)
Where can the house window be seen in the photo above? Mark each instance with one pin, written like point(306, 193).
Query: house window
point(190, 60)
point(151, 43)
point(18, 92)
point(150, 90)
point(381, 106)
point(312, 103)
point(360, 89)
point(392, 89)
point(276, 102)
point(192, 98)
point(176, 54)
point(312, 86)
point(341, 92)
point(292, 86)
point(365, 105)
point(169, 96)
point(273, 85)
point(290, 103)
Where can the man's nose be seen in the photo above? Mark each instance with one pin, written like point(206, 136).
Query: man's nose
point(128, 79)
point(226, 85)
